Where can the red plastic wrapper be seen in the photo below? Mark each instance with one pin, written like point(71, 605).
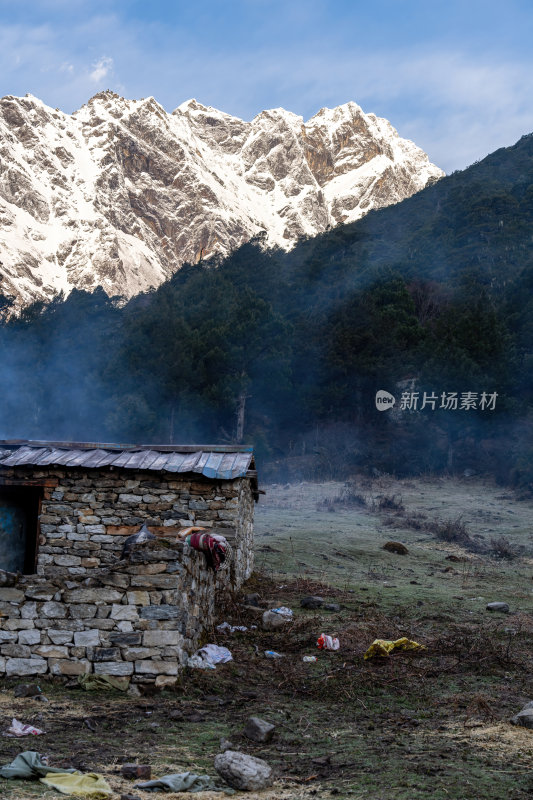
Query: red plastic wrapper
point(325, 642)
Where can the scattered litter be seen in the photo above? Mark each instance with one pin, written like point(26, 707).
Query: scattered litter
point(384, 647)
point(19, 729)
point(136, 771)
point(273, 654)
point(217, 550)
point(225, 626)
point(183, 782)
point(325, 642)
point(27, 765)
point(92, 683)
point(208, 656)
point(31, 765)
point(283, 611)
point(309, 659)
point(88, 784)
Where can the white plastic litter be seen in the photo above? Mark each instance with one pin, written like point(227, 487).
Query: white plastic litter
point(215, 653)
point(225, 626)
point(208, 656)
point(284, 611)
point(273, 654)
point(19, 729)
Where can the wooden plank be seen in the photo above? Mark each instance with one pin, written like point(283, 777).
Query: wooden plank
point(161, 531)
point(128, 530)
point(49, 483)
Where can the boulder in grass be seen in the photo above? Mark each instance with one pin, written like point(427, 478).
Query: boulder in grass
point(311, 602)
point(258, 730)
point(273, 621)
point(502, 608)
point(524, 718)
point(243, 772)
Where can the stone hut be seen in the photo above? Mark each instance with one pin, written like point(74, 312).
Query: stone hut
point(69, 603)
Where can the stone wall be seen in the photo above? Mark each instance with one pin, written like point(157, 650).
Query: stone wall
point(86, 610)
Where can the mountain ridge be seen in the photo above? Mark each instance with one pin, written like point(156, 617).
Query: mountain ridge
point(121, 193)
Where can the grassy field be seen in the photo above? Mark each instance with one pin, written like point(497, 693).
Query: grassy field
point(433, 722)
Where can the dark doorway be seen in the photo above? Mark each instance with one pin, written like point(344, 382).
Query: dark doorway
point(19, 513)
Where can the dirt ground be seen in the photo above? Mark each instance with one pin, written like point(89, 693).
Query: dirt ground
point(432, 722)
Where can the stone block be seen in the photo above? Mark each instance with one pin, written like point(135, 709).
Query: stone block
point(15, 650)
point(103, 653)
point(156, 667)
point(95, 529)
point(129, 499)
point(53, 610)
point(129, 613)
point(124, 625)
point(30, 637)
point(159, 638)
point(18, 624)
point(51, 651)
point(115, 578)
point(114, 668)
point(165, 682)
point(90, 638)
point(126, 639)
point(147, 569)
point(67, 561)
point(28, 611)
point(139, 598)
point(11, 595)
point(60, 637)
point(154, 581)
point(26, 666)
point(140, 653)
point(68, 667)
point(82, 611)
point(90, 563)
point(8, 636)
point(161, 612)
point(98, 596)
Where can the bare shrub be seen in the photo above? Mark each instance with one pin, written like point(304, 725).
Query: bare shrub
point(451, 530)
point(390, 502)
point(501, 547)
point(350, 496)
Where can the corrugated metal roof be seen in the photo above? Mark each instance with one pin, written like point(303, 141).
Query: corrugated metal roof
point(214, 461)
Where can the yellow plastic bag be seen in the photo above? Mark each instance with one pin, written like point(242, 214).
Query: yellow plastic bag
point(88, 784)
point(384, 647)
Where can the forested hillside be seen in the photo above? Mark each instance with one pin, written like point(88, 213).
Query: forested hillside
point(289, 349)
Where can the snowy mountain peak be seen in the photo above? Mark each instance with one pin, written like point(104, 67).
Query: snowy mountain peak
point(121, 193)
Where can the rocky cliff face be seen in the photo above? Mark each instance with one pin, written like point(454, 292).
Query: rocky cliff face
point(121, 193)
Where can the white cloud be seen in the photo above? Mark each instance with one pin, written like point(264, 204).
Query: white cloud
point(101, 69)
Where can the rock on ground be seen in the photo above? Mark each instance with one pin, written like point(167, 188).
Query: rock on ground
point(524, 718)
point(396, 547)
point(311, 602)
point(243, 772)
point(258, 730)
point(501, 607)
point(273, 621)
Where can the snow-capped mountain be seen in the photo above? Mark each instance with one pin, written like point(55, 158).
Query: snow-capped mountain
point(121, 193)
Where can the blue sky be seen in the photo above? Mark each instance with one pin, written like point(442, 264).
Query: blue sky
point(456, 77)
